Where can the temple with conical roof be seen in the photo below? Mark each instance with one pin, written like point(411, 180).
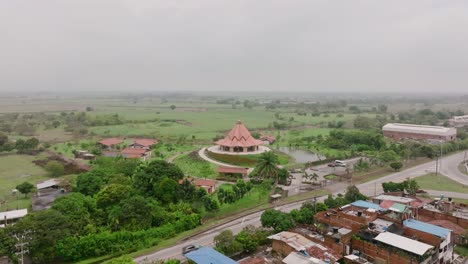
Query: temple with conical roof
point(239, 139)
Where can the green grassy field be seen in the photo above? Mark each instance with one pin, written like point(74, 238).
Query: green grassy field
point(462, 251)
point(440, 183)
point(15, 169)
point(248, 160)
point(192, 165)
point(205, 121)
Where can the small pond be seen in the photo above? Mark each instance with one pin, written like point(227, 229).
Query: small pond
point(301, 155)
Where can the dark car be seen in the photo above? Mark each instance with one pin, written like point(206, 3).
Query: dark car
point(331, 164)
point(188, 249)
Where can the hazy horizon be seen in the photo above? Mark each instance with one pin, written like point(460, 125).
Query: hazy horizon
point(250, 46)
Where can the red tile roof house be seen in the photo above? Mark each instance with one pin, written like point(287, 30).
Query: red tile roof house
point(145, 143)
point(109, 143)
point(208, 185)
point(135, 153)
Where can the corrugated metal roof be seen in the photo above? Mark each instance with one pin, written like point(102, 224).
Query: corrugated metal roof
point(410, 128)
point(365, 204)
point(47, 184)
point(294, 240)
point(397, 199)
point(427, 228)
point(14, 214)
point(397, 207)
point(207, 255)
point(403, 243)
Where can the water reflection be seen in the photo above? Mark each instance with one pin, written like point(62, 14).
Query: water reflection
point(301, 155)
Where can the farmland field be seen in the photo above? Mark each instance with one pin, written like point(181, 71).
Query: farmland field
point(15, 169)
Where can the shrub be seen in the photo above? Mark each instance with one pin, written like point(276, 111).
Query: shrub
point(54, 168)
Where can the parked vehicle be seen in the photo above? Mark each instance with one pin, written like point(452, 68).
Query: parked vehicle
point(340, 163)
point(188, 249)
point(337, 163)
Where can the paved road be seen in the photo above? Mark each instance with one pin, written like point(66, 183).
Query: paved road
point(202, 154)
point(448, 194)
point(369, 188)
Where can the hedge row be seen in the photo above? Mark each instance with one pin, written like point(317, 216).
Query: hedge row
point(105, 243)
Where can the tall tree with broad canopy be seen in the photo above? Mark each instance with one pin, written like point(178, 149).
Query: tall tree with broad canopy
point(25, 188)
point(353, 194)
point(148, 175)
point(78, 209)
point(42, 230)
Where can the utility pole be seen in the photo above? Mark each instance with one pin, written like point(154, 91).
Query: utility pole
point(21, 248)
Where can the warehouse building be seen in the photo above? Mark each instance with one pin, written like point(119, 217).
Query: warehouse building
point(419, 132)
point(459, 121)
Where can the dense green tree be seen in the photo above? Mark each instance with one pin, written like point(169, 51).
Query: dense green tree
point(147, 175)
point(25, 188)
point(23, 146)
point(277, 220)
point(225, 243)
point(134, 213)
point(54, 168)
point(78, 209)
point(187, 190)
point(247, 240)
point(89, 183)
point(112, 194)
point(353, 194)
point(7, 243)
point(210, 203)
point(168, 191)
point(43, 229)
point(396, 165)
point(126, 167)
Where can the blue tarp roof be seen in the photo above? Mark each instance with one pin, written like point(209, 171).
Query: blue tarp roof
point(364, 204)
point(427, 228)
point(207, 255)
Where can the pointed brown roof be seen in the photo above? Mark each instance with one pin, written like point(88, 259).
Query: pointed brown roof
point(239, 136)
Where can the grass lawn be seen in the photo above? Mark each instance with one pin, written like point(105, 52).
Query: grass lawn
point(15, 169)
point(330, 177)
point(462, 251)
point(192, 165)
point(440, 183)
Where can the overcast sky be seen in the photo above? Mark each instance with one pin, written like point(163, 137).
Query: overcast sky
point(246, 45)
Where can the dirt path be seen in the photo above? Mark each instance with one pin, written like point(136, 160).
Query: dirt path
point(172, 158)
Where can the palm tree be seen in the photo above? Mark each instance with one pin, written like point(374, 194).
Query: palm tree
point(267, 166)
